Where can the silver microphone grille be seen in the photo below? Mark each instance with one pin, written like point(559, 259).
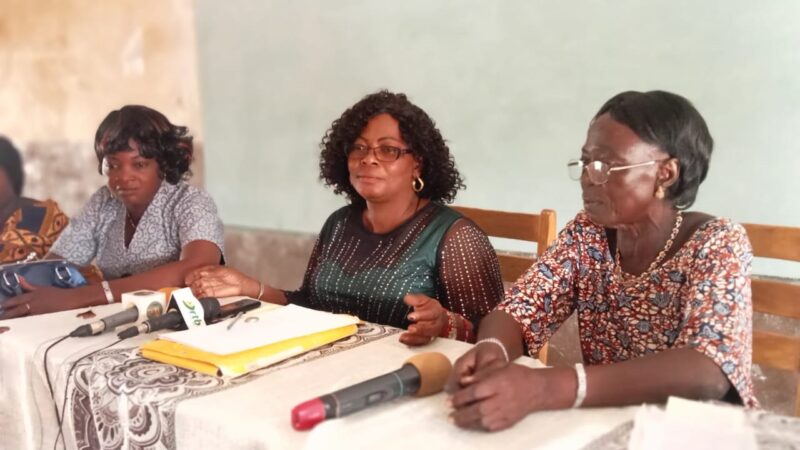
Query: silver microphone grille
point(154, 309)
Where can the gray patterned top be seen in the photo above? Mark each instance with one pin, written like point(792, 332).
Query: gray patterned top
point(178, 214)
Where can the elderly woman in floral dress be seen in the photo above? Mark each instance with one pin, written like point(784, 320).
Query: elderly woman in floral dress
point(662, 294)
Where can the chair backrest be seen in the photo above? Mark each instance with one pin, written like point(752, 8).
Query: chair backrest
point(539, 228)
point(778, 298)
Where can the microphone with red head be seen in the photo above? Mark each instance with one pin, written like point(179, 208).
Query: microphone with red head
point(421, 375)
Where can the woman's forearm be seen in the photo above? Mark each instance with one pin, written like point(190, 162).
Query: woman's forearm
point(500, 325)
point(680, 372)
point(196, 254)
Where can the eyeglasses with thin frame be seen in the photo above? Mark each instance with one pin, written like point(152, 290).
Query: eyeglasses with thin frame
point(598, 171)
point(384, 153)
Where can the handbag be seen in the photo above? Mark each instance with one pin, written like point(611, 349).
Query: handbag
point(44, 273)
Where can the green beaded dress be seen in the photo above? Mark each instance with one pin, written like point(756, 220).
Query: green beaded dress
point(437, 252)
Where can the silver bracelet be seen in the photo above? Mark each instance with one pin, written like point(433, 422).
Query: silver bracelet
point(260, 290)
point(492, 340)
point(580, 395)
point(107, 291)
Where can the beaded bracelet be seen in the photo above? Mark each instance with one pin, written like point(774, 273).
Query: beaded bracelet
point(452, 324)
point(496, 341)
point(448, 327)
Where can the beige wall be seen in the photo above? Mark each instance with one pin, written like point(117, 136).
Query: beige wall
point(64, 64)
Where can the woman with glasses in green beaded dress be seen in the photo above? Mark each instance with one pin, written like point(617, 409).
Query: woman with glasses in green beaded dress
point(396, 255)
point(662, 295)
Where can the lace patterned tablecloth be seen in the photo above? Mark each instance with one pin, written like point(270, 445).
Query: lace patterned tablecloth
point(121, 400)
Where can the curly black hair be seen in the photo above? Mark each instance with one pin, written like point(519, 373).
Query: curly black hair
point(442, 180)
point(170, 145)
point(672, 123)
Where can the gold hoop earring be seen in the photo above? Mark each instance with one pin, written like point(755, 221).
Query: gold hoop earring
point(660, 193)
point(417, 184)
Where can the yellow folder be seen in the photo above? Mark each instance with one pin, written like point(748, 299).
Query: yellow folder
point(240, 363)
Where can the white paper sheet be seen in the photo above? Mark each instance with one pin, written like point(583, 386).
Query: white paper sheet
point(686, 424)
point(271, 326)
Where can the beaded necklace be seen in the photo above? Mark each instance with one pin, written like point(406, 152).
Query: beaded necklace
point(653, 265)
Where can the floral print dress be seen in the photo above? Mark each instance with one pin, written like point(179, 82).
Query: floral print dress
point(699, 298)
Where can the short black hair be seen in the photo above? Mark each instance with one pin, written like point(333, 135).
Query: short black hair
point(11, 163)
point(170, 145)
point(442, 179)
point(672, 123)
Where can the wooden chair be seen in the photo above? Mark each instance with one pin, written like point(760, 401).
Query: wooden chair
point(539, 228)
point(776, 297)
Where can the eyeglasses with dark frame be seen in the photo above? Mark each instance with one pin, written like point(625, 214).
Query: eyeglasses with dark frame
point(598, 171)
point(383, 153)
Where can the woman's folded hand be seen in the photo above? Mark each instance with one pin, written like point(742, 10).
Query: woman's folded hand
point(427, 320)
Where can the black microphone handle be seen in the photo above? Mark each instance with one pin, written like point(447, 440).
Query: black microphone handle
point(171, 319)
point(125, 316)
point(237, 307)
point(174, 319)
point(132, 331)
point(403, 381)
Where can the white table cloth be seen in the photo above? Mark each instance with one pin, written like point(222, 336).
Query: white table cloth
point(116, 399)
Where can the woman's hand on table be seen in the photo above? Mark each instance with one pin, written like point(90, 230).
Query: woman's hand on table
point(497, 398)
point(42, 300)
point(428, 320)
point(219, 281)
point(483, 357)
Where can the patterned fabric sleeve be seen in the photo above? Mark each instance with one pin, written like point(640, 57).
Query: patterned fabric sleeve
point(32, 228)
point(470, 283)
point(717, 320)
point(542, 298)
point(78, 242)
point(54, 223)
point(197, 218)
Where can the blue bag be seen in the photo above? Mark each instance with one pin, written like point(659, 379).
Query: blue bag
point(45, 273)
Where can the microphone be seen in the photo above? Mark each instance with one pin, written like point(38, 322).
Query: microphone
point(141, 305)
point(241, 306)
point(172, 319)
point(421, 375)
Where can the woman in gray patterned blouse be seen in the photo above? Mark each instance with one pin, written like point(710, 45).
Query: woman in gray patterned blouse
point(396, 255)
point(146, 229)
